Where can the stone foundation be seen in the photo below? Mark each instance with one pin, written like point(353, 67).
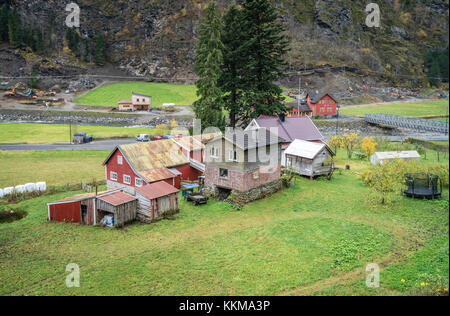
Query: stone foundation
point(245, 197)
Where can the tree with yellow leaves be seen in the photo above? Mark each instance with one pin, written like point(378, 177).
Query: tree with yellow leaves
point(369, 146)
point(173, 124)
point(350, 142)
point(336, 142)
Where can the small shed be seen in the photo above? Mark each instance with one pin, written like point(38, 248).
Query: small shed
point(380, 158)
point(156, 201)
point(309, 158)
point(91, 208)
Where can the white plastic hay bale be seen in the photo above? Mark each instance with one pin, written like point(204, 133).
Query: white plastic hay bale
point(8, 191)
point(30, 187)
point(20, 189)
point(1, 193)
point(41, 186)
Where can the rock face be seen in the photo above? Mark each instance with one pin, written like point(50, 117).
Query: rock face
point(156, 39)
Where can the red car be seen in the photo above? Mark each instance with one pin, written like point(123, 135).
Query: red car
point(153, 138)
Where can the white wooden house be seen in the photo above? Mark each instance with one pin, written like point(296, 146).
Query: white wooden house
point(309, 158)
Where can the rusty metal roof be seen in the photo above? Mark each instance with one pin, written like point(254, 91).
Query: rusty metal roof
point(82, 197)
point(118, 198)
point(204, 138)
point(189, 143)
point(157, 190)
point(152, 159)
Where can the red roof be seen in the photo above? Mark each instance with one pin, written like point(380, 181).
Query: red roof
point(157, 190)
point(118, 198)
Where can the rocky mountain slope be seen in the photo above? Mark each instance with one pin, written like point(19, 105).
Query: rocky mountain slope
point(156, 38)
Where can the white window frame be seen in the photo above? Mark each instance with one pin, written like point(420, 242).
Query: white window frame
point(114, 176)
point(214, 152)
point(125, 176)
point(224, 177)
point(119, 160)
point(231, 155)
point(139, 185)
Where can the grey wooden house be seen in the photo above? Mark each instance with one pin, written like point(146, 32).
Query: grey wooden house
point(309, 159)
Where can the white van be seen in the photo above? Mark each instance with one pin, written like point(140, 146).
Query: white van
point(143, 138)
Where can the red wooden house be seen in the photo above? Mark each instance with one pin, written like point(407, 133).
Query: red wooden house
point(136, 165)
point(322, 104)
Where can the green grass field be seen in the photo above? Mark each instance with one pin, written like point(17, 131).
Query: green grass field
point(54, 167)
point(161, 93)
point(315, 238)
point(53, 133)
point(414, 109)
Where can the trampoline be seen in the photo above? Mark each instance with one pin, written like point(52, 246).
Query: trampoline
point(423, 186)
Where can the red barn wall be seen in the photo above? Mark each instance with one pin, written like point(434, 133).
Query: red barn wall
point(66, 212)
point(189, 173)
point(121, 170)
point(322, 106)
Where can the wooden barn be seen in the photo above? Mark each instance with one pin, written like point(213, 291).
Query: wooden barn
point(156, 201)
point(309, 159)
point(91, 208)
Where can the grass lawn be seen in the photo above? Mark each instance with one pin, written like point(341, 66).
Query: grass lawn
point(108, 95)
point(54, 167)
point(414, 109)
point(52, 133)
point(315, 238)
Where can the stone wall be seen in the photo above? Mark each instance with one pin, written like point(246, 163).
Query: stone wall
point(244, 197)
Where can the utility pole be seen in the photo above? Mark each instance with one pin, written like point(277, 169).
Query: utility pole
point(299, 87)
point(70, 132)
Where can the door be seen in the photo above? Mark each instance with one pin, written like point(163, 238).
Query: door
point(84, 212)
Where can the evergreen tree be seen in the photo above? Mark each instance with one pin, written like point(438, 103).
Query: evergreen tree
point(265, 47)
point(208, 68)
point(14, 29)
point(100, 50)
point(231, 80)
point(4, 16)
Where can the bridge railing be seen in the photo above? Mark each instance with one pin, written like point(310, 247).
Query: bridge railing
point(417, 124)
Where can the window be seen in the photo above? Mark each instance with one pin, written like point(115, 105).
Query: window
point(223, 173)
point(233, 155)
point(126, 179)
point(322, 109)
point(256, 175)
point(137, 100)
point(138, 182)
point(214, 152)
point(113, 176)
point(119, 160)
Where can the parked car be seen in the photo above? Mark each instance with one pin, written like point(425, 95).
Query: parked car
point(143, 138)
point(179, 136)
point(153, 138)
point(168, 136)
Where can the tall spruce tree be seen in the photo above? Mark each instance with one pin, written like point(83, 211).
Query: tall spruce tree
point(14, 29)
point(208, 63)
point(265, 48)
point(232, 77)
point(4, 16)
point(100, 50)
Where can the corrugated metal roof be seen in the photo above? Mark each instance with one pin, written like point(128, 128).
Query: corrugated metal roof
point(305, 149)
point(397, 155)
point(157, 190)
point(82, 197)
point(152, 159)
point(204, 138)
point(316, 96)
point(141, 95)
point(292, 128)
point(189, 143)
point(117, 198)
